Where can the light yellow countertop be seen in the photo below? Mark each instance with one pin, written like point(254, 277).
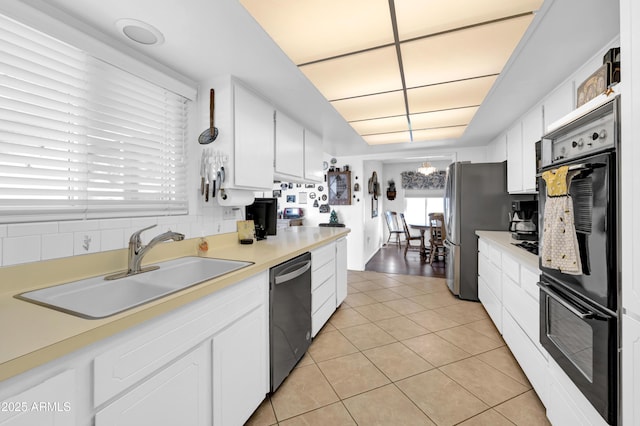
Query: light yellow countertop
point(505, 241)
point(33, 335)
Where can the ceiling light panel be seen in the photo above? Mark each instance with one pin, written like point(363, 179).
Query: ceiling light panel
point(447, 118)
point(381, 125)
point(387, 138)
point(374, 71)
point(449, 95)
point(317, 29)
point(418, 18)
point(438, 134)
point(372, 106)
point(471, 52)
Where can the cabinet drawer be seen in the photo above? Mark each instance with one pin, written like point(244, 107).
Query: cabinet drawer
point(491, 303)
point(483, 247)
point(491, 275)
point(322, 256)
point(322, 293)
point(511, 268)
point(147, 348)
point(529, 282)
point(322, 274)
point(531, 361)
point(320, 317)
point(524, 309)
point(495, 256)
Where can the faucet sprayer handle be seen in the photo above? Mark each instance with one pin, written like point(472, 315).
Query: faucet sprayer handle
point(135, 237)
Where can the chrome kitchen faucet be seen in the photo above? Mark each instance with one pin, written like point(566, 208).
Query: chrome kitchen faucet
point(137, 251)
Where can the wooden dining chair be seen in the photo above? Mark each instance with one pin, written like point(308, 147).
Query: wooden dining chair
point(437, 236)
point(408, 237)
point(392, 225)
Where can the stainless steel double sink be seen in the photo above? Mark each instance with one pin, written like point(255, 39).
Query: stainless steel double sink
point(96, 297)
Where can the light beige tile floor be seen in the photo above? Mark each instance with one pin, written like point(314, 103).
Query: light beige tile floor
point(401, 350)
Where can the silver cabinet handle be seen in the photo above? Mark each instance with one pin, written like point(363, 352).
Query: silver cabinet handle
point(295, 274)
point(552, 294)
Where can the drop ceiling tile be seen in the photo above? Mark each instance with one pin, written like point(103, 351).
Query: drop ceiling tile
point(419, 17)
point(381, 125)
point(446, 118)
point(450, 95)
point(438, 134)
point(372, 106)
point(374, 71)
point(387, 138)
point(317, 29)
point(472, 52)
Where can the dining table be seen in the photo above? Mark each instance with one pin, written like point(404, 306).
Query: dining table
point(423, 229)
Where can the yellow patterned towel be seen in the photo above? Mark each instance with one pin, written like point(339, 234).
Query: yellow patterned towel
point(560, 248)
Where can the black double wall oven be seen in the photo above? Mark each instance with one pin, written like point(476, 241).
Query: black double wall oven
point(579, 309)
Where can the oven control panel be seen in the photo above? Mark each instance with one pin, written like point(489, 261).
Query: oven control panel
point(592, 137)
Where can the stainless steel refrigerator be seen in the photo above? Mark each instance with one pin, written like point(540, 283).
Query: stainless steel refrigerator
point(476, 198)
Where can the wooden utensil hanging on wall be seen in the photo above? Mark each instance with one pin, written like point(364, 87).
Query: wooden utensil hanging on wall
point(211, 133)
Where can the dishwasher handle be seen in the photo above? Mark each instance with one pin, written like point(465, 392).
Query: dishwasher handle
point(279, 279)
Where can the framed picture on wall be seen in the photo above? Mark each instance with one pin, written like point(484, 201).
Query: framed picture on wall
point(339, 184)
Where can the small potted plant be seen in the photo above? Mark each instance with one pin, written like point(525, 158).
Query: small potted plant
point(391, 190)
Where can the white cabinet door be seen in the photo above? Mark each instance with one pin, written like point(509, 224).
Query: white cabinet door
point(630, 371)
point(514, 158)
point(558, 104)
point(313, 157)
point(51, 403)
point(253, 140)
point(289, 147)
point(532, 130)
point(177, 395)
point(240, 368)
point(341, 270)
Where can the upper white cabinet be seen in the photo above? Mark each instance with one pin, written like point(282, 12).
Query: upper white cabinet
point(558, 104)
point(532, 131)
point(289, 148)
point(514, 158)
point(253, 140)
point(313, 157)
point(521, 152)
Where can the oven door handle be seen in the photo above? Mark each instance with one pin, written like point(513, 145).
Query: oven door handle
point(552, 294)
point(578, 167)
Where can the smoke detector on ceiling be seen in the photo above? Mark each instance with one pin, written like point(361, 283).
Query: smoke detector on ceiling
point(140, 32)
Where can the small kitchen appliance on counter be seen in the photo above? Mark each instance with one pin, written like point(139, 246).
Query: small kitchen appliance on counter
point(524, 220)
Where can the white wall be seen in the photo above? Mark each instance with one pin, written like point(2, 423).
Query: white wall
point(373, 226)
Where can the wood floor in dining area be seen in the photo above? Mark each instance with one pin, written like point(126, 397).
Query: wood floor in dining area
point(390, 259)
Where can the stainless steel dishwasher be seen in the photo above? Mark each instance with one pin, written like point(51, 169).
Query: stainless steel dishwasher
point(289, 315)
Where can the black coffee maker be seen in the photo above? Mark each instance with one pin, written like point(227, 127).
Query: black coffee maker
point(524, 220)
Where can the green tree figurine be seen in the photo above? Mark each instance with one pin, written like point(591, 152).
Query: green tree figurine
point(333, 218)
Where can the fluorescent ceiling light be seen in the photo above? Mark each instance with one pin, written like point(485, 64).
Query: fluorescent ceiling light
point(371, 106)
point(374, 71)
point(472, 52)
point(381, 125)
point(452, 14)
point(381, 61)
point(449, 95)
point(387, 138)
point(311, 30)
point(446, 118)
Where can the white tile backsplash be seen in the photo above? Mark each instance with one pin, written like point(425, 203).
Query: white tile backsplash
point(86, 242)
point(55, 246)
point(78, 225)
point(17, 250)
point(115, 223)
point(26, 229)
point(112, 239)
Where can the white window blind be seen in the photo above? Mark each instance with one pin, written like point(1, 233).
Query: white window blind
point(80, 138)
